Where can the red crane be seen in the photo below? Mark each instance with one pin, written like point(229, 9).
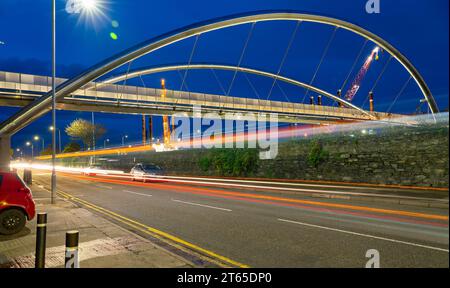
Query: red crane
point(361, 74)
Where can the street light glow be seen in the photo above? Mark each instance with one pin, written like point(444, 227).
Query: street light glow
point(89, 5)
point(91, 11)
point(36, 138)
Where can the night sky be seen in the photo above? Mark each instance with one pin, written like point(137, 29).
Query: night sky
point(419, 29)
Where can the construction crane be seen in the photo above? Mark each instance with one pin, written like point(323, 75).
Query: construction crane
point(356, 84)
point(166, 127)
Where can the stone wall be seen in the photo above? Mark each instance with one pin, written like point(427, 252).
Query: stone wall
point(401, 155)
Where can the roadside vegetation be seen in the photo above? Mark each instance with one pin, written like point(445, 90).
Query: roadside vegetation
point(317, 154)
point(85, 131)
point(230, 162)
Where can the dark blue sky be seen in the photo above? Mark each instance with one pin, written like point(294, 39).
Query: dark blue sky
point(419, 29)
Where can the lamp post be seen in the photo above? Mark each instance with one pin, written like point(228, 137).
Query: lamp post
point(30, 144)
point(85, 5)
point(36, 138)
point(104, 143)
point(18, 150)
point(123, 140)
point(59, 136)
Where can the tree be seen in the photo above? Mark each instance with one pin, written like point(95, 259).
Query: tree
point(47, 151)
point(72, 147)
point(83, 130)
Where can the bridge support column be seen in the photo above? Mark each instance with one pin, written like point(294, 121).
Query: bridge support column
point(5, 156)
point(372, 108)
point(339, 94)
point(144, 131)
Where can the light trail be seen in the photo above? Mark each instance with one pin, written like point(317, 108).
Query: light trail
point(124, 179)
point(263, 185)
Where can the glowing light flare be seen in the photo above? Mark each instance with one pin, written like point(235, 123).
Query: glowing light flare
point(91, 11)
point(88, 5)
point(113, 36)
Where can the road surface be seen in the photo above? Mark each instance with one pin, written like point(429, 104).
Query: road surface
point(262, 228)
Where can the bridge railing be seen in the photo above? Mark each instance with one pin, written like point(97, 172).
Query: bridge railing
point(144, 96)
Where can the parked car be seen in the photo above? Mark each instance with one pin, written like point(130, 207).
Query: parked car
point(16, 203)
point(141, 171)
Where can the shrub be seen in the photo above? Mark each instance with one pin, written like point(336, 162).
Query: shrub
point(230, 162)
point(204, 163)
point(72, 147)
point(317, 154)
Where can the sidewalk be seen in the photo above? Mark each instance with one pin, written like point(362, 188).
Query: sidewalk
point(103, 244)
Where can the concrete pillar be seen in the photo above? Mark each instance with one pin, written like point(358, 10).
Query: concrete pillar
point(150, 129)
point(144, 130)
point(339, 94)
point(372, 108)
point(5, 156)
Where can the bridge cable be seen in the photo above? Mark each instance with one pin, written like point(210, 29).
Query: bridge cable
point(325, 52)
point(354, 64)
point(288, 48)
point(378, 79)
point(218, 81)
point(249, 36)
point(253, 87)
point(124, 82)
point(143, 83)
point(189, 62)
point(399, 93)
point(284, 93)
point(181, 78)
point(353, 67)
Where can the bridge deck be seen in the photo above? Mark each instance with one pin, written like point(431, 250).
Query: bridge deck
point(25, 87)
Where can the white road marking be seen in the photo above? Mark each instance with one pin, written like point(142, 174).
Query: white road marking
point(365, 235)
point(228, 183)
point(206, 206)
point(141, 194)
point(87, 250)
point(106, 187)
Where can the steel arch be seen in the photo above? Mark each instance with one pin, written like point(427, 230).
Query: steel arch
point(41, 106)
point(159, 69)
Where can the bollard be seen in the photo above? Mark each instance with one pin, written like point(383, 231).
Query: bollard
point(72, 260)
point(41, 235)
point(30, 177)
point(27, 177)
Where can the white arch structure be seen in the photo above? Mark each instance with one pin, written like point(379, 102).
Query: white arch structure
point(166, 68)
point(43, 104)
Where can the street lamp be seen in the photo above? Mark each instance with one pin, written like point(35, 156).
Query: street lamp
point(36, 138)
point(89, 6)
point(123, 139)
point(18, 150)
point(104, 143)
point(32, 148)
point(51, 128)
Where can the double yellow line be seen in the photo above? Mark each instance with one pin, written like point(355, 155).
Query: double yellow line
point(174, 241)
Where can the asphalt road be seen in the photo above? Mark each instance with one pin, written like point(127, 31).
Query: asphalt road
point(263, 228)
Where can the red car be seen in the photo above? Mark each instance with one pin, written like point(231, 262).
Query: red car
point(16, 203)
